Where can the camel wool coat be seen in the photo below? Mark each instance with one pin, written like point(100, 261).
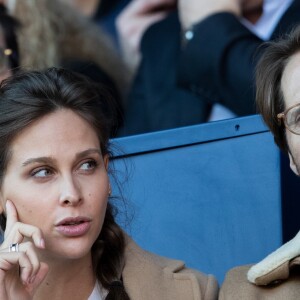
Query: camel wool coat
point(237, 287)
point(147, 277)
point(276, 277)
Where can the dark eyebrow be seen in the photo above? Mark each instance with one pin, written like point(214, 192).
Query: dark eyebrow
point(88, 152)
point(43, 159)
point(50, 160)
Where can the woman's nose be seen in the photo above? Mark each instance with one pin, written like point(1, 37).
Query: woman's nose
point(70, 193)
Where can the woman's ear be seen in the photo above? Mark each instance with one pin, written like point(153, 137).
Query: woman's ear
point(106, 161)
point(293, 164)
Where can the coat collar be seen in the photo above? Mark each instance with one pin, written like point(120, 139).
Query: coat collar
point(276, 266)
point(147, 276)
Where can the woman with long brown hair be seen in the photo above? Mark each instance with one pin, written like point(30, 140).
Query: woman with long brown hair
point(60, 237)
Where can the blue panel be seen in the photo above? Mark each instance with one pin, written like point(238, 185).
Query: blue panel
point(207, 194)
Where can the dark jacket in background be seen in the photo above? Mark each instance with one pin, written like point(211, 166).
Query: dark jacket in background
point(228, 53)
point(177, 84)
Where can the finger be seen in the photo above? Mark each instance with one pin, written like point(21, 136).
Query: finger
point(141, 7)
point(10, 260)
point(145, 24)
point(21, 230)
point(134, 31)
point(136, 7)
point(154, 18)
point(38, 279)
point(31, 270)
point(165, 5)
point(29, 249)
point(11, 215)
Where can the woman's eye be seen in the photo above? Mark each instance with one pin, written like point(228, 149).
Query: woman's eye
point(41, 173)
point(88, 165)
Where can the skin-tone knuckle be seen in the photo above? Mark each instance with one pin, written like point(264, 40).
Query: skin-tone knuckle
point(2, 247)
point(4, 264)
point(22, 256)
point(25, 269)
point(29, 246)
point(38, 232)
point(37, 235)
point(37, 265)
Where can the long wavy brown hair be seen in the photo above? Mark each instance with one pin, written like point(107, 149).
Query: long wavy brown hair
point(27, 97)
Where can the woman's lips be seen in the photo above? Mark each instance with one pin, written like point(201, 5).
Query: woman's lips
point(73, 227)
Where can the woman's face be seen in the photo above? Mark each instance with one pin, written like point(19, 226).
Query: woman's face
point(57, 180)
point(291, 94)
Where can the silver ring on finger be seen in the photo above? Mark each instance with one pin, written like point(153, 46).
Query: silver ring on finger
point(14, 247)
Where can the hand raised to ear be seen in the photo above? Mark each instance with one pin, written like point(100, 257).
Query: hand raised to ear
point(21, 272)
point(16, 231)
point(134, 20)
point(11, 214)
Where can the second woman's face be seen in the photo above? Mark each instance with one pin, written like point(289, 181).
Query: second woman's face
point(57, 180)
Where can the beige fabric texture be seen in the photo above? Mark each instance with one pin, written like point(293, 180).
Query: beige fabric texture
point(147, 276)
point(276, 264)
point(237, 287)
point(275, 277)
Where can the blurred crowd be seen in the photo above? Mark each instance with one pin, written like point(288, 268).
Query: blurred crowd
point(166, 63)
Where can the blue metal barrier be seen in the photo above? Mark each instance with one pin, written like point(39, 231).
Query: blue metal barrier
point(207, 194)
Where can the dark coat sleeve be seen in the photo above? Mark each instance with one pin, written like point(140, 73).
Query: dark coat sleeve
point(219, 63)
point(156, 101)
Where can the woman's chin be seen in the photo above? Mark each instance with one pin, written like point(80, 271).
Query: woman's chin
point(68, 251)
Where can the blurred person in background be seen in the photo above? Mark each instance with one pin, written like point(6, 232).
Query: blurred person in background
point(102, 12)
point(53, 33)
point(201, 54)
point(8, 44)
point(277, 276)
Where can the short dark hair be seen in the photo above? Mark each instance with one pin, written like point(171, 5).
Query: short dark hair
point(269, 95)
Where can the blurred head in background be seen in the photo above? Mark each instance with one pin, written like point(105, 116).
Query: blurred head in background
point(8, 44)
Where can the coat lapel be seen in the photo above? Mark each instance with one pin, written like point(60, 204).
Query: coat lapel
point(147, 276)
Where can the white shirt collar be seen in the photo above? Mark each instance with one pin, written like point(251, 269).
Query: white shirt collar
point(272, 12)
point(98, 293)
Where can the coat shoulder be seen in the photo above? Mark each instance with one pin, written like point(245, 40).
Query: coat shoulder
point(235, 283)
point(236, 286)
point(150, 276)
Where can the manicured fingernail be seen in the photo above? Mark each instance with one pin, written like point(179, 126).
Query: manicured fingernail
point(42, 243)
point(7, 204)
